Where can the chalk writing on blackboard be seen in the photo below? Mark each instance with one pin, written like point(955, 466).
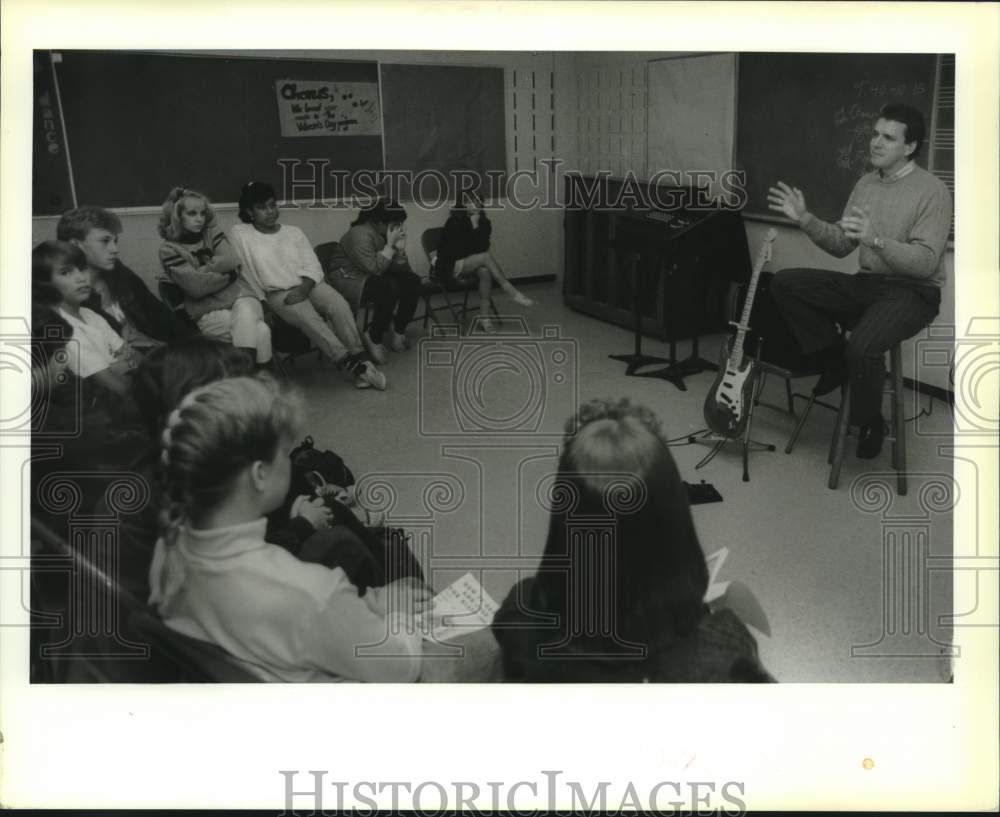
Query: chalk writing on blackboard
point(309, 107)
point(49, 123)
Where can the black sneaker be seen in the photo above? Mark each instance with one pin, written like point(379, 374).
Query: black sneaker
point(870, 439)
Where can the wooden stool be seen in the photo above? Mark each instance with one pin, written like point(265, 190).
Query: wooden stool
point(897, 428)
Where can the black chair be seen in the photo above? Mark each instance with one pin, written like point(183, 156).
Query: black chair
point(327, 253)
point(158, 654)
point(430, 241)
point(172, 295)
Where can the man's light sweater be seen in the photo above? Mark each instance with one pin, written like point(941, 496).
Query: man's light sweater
point(911, 213)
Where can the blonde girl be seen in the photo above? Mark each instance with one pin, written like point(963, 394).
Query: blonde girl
point(226, 464)
point(199, 259)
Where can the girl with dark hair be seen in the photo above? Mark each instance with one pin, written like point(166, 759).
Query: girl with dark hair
point(372, 267)
point(280, 265)
point(619, 592)
point(118, 294)
point(464, 252)
point(61, 279)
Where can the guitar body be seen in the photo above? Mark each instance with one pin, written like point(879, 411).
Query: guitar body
point(729, 401)
point(727, 404)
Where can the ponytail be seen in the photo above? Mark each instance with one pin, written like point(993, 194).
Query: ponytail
point(166, 571)
point(216, 431)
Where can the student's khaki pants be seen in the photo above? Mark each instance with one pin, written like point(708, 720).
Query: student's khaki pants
point(243, 325)
point(324, 317)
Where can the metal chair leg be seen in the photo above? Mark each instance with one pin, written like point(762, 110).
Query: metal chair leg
point(898, 421)
point(279, 366)
point(839, 442)
point(800, 424)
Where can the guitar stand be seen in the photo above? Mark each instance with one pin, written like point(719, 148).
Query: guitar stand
point(718, 441)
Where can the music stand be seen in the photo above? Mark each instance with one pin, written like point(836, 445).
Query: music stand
point(676, 370)
point(694, 363)
point(636, 360)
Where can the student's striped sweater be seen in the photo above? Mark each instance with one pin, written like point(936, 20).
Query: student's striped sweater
point(207, 270)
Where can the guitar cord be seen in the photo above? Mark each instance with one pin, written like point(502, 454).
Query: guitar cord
point(928, 410)
point(684, 439)
point(925, 411)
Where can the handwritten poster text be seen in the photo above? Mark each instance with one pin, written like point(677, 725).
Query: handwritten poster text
point(309, 107)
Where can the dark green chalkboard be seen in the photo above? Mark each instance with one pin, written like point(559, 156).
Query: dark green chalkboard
point(806, 119)
point(443, 118)
point(139, 123)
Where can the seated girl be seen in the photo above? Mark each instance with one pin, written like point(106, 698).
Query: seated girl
point(61, 280)
point(79, 431)
point(311, 524)
point(280, 265)
point(464, 252)
point(214, 577)
point(372, 268)
point(198, 258)
point(619, 592)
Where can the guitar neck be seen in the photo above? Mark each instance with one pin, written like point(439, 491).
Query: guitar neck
point(736, 357)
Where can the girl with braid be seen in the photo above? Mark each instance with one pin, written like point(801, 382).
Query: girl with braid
point(226, 465)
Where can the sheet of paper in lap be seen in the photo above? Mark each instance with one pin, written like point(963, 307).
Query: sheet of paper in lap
point(461, 608)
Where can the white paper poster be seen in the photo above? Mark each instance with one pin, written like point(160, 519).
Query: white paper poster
point(308, 107)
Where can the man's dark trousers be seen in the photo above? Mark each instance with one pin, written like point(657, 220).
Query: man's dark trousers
point(879, 311)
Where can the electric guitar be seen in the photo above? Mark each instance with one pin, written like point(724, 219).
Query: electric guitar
point(727, 405)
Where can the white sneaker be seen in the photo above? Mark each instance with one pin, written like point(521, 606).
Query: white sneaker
point(376, 350)
point(485, 325)
point(522, 299)
point(398, 342)
point(368, 377)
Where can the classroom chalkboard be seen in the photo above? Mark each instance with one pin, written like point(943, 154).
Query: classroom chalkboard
point(50, 184)
point(139, 123)
point(806, 119)
point(443, 118)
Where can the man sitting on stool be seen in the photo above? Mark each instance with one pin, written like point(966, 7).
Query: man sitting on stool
point(900, 215)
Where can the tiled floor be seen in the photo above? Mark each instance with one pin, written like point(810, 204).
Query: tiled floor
point(853, 581)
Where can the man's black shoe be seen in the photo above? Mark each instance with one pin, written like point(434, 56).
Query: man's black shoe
point(833, 375)
point(870, 439)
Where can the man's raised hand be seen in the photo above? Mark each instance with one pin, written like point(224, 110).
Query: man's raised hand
point(787, 200)
point(858, 226)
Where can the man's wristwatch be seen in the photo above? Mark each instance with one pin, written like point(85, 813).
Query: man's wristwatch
point(878, 243)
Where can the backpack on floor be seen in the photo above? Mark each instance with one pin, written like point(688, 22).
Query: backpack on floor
point(306, 457)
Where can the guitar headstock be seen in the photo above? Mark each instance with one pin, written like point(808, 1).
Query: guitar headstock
point(764, 253)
